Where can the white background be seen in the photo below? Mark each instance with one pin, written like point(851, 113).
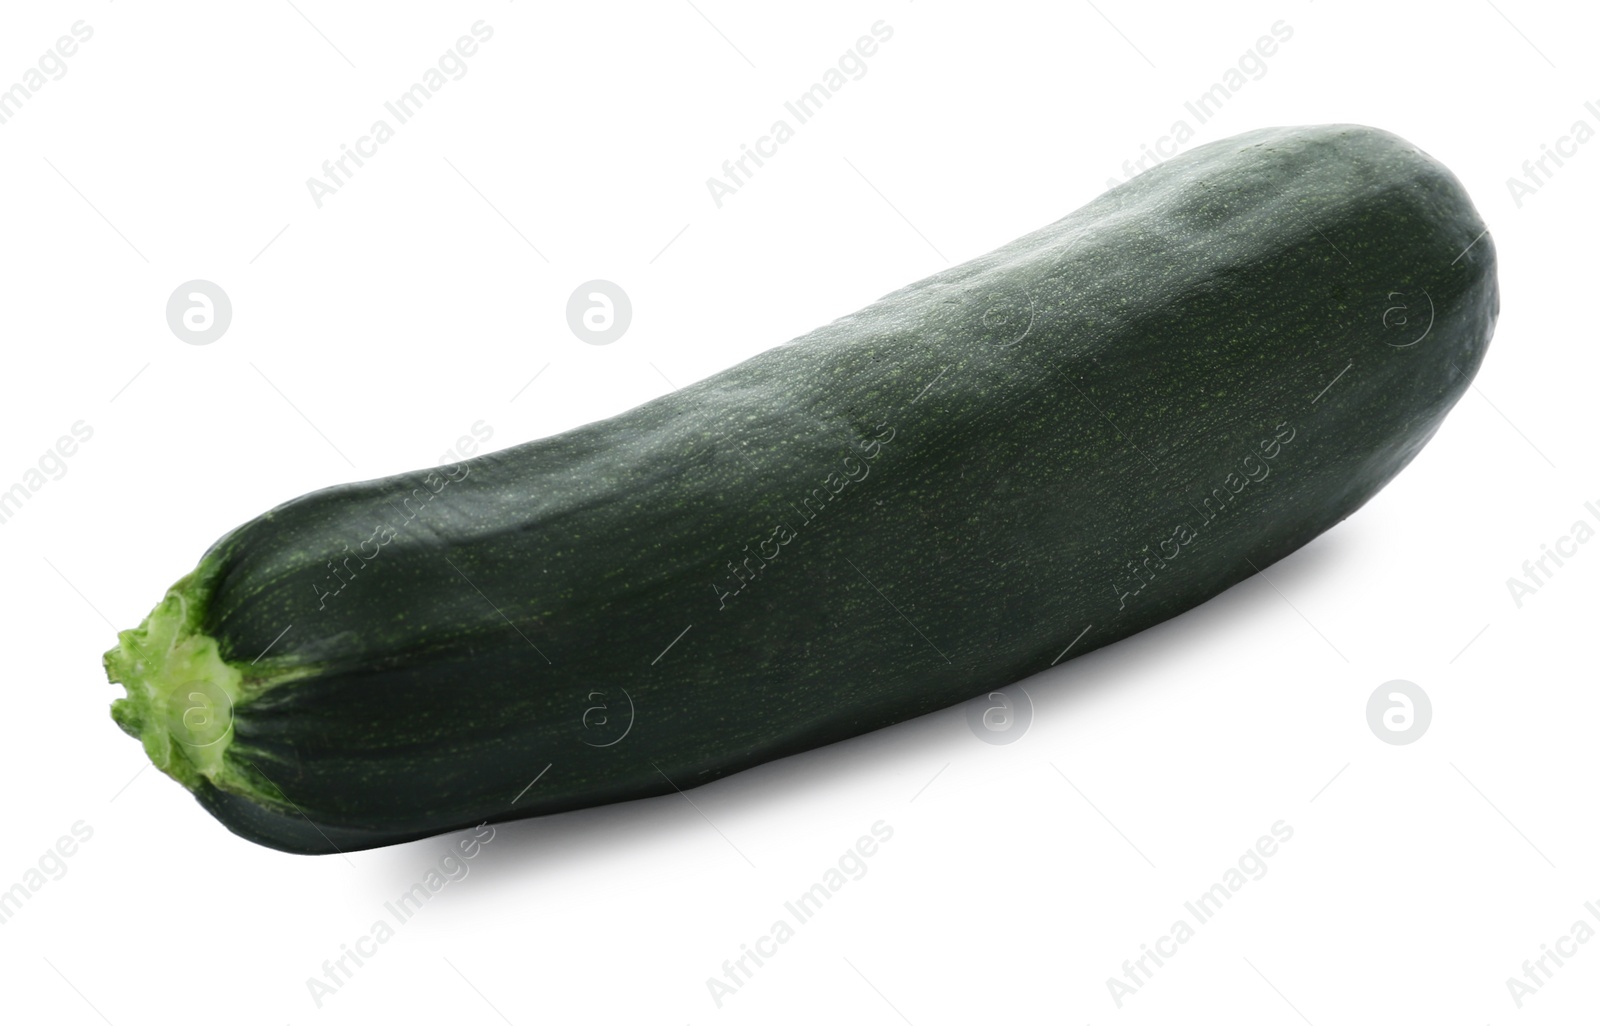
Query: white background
point(372, 332)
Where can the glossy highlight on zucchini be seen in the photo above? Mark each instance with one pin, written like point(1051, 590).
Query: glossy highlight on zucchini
point(1052, 446)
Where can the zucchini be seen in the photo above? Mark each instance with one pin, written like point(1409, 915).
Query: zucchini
point(1060, 443)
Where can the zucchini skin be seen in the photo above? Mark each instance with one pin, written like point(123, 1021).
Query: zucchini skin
point(953, 483)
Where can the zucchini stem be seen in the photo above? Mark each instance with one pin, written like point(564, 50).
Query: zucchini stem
point(180, 691)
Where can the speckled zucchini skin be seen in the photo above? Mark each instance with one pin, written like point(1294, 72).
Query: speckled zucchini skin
point(1090, 429)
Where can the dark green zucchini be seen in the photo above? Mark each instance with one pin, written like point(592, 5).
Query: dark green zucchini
point(1076, 436)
